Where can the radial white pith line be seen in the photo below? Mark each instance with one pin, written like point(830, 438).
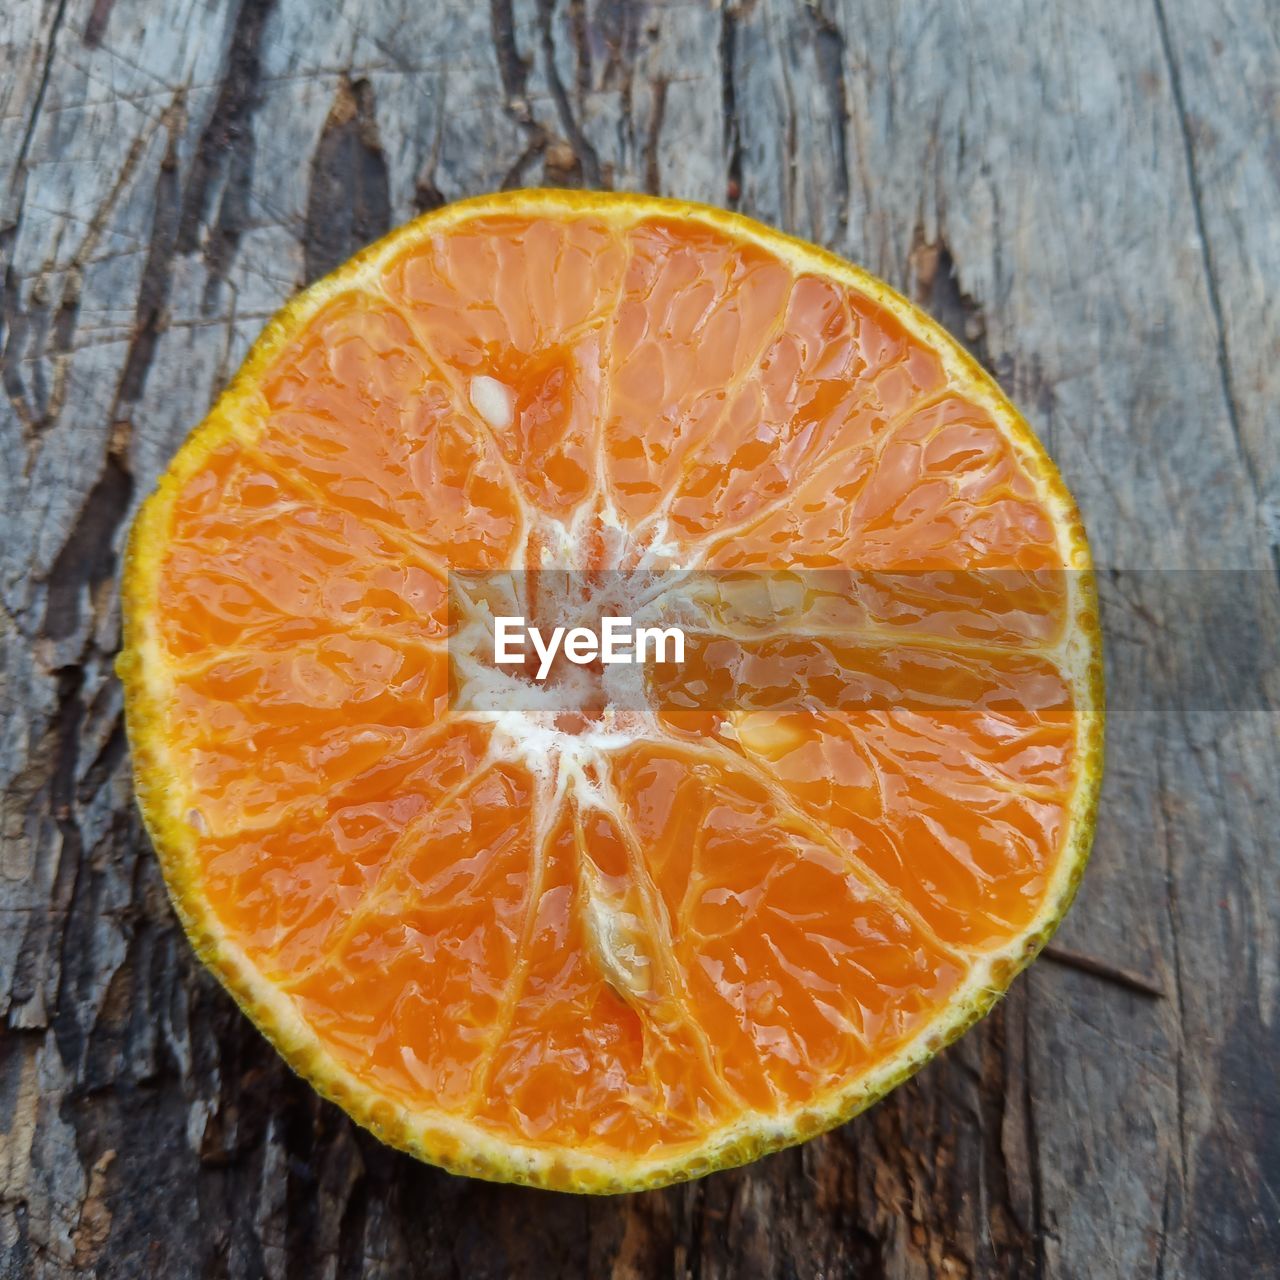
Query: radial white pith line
point(460, 400)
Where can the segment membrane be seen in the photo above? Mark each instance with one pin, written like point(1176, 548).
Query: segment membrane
point(409, 990)
point(286, 888)
point(581, 1059)
point(944, 774)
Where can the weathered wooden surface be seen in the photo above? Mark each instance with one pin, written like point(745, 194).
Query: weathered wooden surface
point(1088, 191)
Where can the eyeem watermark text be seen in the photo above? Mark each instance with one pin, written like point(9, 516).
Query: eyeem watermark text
point(616, 643)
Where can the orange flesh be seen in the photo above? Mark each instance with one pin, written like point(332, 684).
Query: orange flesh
point(787, 895)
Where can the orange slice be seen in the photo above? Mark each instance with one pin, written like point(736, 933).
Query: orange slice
point(619, 950)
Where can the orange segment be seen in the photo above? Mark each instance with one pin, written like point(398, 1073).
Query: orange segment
point(358, 414)
point(255, 565)
point(615, 945)
point(289, 883)
point(839, 373)
point(523, 305)
point(696, 312)
point(580, 1060)
point(944, 774)
point(421, 964)
point(796, 967)
point(944, 489)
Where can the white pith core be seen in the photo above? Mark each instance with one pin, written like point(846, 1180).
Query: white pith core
point(609, 707)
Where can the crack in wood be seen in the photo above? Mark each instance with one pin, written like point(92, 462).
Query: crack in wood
point(1222, 352)
point(96, 26)
point(587, 159)
point(20, 160)
point(829, 49)
point(348, 199)
point(225, 149)
point(87, 560)
point(732, 132)
point(1126, 978)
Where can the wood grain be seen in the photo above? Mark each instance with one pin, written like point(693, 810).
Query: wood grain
point(1087, 193)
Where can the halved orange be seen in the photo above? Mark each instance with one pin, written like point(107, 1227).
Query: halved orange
point(615, 953)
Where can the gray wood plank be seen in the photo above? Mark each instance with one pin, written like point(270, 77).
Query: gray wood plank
point(1086, 193)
